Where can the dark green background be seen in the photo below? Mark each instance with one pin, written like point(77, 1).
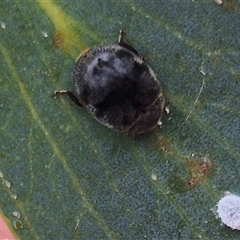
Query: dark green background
point(76, 179)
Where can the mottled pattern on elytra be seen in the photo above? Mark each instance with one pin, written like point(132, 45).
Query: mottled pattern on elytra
point(119, 89)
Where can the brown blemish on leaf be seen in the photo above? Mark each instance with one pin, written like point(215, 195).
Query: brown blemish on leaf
point(66, 37)
point(162, 144)
point(229, 5)
point(199, 170)
point(59, 41)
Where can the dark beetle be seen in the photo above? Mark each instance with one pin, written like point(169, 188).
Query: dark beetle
point(118, 88)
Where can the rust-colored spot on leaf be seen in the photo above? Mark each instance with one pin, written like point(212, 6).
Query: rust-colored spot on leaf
point(192, 182)
point(59, 40)
point(199, 170)
point(229, 5)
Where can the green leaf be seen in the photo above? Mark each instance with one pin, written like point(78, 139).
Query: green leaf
point(70, 177)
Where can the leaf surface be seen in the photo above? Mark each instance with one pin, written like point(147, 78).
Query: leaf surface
point(70, 177)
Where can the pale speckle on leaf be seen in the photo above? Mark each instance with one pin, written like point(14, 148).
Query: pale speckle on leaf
point(154, 176)
point(16, 214)
point(13, 196)
point(219, 2)
point(7, 183)
point(3, 25)
point(44, 34)
point(18, 224)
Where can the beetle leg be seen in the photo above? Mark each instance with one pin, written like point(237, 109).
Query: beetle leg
point(123, 44)
point(166, 107)
point(121, 35)
point(70, 95)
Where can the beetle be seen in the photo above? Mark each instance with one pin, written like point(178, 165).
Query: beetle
point(118, 88)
